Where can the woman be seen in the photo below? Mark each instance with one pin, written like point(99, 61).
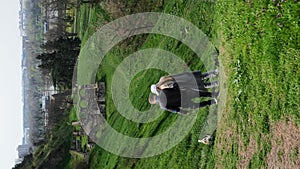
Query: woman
point(184, 81)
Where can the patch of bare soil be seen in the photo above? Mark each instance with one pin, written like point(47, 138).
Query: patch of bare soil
point(226, 136)
point(285, 140)
point(247, 152)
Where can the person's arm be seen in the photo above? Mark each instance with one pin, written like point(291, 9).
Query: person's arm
point(173, 109)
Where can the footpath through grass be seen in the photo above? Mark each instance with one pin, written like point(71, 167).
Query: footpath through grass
point(259, 48)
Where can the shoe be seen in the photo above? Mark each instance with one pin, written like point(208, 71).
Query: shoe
point(210, 74)
point(215, 101)
point(216, 71)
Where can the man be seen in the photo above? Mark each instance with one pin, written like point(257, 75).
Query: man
point(187, 80)
point(178, 101)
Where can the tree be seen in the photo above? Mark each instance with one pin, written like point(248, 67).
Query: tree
point(59, 59)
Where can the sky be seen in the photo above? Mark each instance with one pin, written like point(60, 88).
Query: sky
point(10, 85)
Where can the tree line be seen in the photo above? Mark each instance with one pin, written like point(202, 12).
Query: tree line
point(48, 55)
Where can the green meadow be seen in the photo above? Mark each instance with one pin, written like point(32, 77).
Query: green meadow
point(259, 52)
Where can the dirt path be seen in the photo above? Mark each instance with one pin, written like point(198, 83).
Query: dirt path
point(225, 130)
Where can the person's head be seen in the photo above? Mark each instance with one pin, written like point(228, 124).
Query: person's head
point(154, 89)
point(152, 100)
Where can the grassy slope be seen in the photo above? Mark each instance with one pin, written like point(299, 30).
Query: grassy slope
point(261, 60)
point(55, 153)
point(263, 54)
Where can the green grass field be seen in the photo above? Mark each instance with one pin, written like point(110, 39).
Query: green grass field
point(259, 47)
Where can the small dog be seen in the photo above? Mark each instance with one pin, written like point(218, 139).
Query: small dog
point(205, 140)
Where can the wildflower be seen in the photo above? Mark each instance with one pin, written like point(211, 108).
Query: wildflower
point(279, 24)
point(278, 15)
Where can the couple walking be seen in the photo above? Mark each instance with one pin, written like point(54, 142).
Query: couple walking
point(175, 93)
